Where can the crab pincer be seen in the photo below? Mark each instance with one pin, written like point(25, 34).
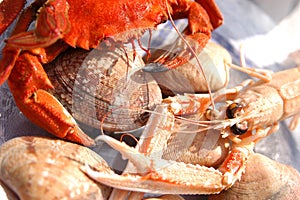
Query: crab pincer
point(29, 82)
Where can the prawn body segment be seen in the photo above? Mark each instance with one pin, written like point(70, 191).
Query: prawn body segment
point(267, 103)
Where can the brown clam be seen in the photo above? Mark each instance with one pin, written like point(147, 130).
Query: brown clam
point(104, 85)
point(264, 178)
point(44, 168)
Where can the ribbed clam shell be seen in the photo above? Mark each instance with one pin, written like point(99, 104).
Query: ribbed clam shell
point(44, 168)
point(104, 83)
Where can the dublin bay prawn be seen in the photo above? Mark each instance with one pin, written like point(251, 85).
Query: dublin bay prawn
point(250, 114)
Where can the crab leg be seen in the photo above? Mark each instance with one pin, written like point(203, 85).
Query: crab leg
point(9, 53)
point(9, 10)
point(213, 11)
point(52, 23)
point(203, 17)
point(28, 82)
point(56, 23)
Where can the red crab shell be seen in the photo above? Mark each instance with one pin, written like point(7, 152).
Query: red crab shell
point(85, 23)
point(113, 18)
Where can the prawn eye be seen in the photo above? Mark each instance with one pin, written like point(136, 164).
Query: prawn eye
point(232, 109)
point(240, 128)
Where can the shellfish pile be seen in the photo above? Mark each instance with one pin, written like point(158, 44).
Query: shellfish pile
point(104, 87)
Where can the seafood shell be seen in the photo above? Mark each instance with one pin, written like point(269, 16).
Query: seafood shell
point(264, 179)
point(188, 79)
point(166, 197)
point(104, 85)
point(44, 168)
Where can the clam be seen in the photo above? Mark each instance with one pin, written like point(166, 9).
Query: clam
point(104, 85)
point(44, 168)
point(188, 78)
point(264, 178)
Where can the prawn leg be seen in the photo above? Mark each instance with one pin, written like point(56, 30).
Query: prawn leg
point(155, 175)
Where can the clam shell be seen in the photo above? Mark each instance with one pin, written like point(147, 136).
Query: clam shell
point(188, 79)
point(104, 85)
point(264, 179)
point(166, 197)
point(44, 168)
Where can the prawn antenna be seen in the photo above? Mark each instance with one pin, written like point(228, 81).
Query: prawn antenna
point(200, 67)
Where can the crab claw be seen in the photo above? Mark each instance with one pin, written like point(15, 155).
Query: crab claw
point(8, 12)
point(51, 26)
point(28, 83)
point(203, 18)
point(178, 53)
